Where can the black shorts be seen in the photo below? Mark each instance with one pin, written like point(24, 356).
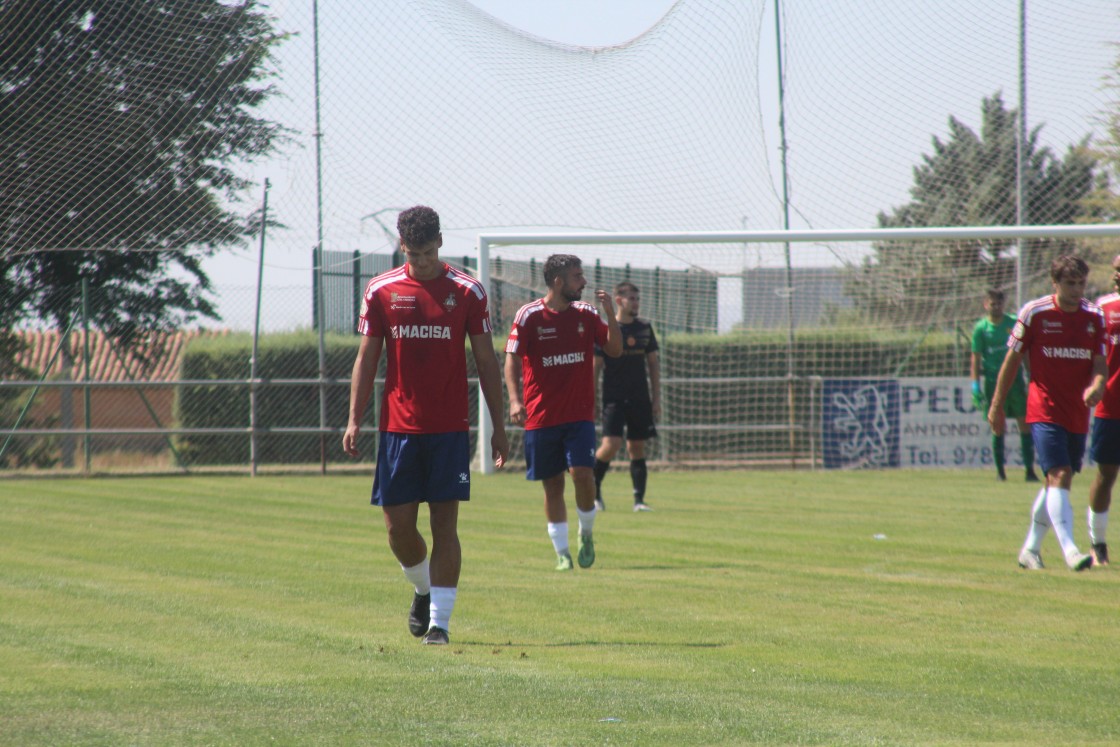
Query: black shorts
point(635, 415)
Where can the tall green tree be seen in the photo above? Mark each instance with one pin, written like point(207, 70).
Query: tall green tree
point(122, 123)
point(1103, 204)
point(969, 180)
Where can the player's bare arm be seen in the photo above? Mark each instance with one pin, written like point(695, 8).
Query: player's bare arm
point(653, 364)
point(613, 348)
point(361, 384)
point(490, 379)
point(513, 388)
point(1095, 392)
point(1007, 372)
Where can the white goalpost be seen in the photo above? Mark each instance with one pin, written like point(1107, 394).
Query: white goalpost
point(957, 307)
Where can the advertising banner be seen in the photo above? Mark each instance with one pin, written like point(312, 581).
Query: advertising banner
point(912, 422)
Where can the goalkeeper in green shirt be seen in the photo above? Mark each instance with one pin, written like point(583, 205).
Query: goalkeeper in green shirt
point(989, 347)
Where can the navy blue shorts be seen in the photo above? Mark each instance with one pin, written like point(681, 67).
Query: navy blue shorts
point(1054, 446)
point(422, 467)
point(1105, 443)
point(635, 415)
point(552, 450)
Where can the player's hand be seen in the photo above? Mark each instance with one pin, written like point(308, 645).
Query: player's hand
point(605, 299)
point(350, 440)
point(657, 410)
point(979, 401)
point(517, 413)
point(499, 447)
point(997, 419)
point(1093, 396)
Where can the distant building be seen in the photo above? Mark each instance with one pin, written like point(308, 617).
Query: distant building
point(816, 292)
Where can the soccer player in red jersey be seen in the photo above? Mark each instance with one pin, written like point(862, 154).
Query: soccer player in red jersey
point(421, 314)
point(1105, 443)
point(552, 346)
point(1062, 336)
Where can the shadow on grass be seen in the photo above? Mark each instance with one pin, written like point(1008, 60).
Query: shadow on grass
point(690, 568)
point(591, 644)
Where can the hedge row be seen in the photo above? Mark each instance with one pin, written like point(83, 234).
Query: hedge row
point(824, 353)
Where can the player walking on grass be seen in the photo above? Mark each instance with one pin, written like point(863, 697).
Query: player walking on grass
point(421, 314)
point(989, 345)
point(630, 402)
point(552, 347)
point(1106, 428)
point(1062, 337)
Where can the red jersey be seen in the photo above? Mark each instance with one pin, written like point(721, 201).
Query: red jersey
point(1110, 405)
point(424, 324)
point(557, 352)
point(1059, 347)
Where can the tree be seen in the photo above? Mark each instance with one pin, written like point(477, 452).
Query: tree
point(969, 180)
point(1103, 203)
point(123, 121)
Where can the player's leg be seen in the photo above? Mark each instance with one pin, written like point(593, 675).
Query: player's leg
point(544, 459)
point(1106, 453)
point(397, 483)
point(448, 473)
point(1060, 454)
point(446, 561)
point(579, 448)
point(999, 449)
point(608, 450)
point(999, 453)
point(639, 429)
point(638, 472)
point(556, 513)
point(1030, 556)
point(1026, 450)
point(1016, 407)
point(1100, 499)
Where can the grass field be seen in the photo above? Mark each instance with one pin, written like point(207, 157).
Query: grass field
point(871, 608)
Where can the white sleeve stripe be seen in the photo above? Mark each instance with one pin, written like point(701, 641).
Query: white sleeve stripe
point(525, 312)
point(468, 282)
point(382, 280)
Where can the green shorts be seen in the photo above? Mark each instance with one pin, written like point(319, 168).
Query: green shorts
point(1015, 406)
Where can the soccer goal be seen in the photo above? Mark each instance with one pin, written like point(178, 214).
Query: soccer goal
point(760, 330)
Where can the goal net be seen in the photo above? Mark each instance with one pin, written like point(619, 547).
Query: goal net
point(808, 348)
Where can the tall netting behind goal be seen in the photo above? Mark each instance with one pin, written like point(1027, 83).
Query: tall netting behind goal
point(138, 137)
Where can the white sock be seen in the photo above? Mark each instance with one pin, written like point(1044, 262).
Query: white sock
point(443, 601)
point(558, 533)
point(1098, 527)
point(418, 576)
point(1040, 523)
point(1061, 518)
point(586, 521)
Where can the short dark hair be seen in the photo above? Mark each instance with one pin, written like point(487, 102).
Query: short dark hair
point(557, 264)
point(995, 294)
point(625, 285)
point(418, 226)
point(1065, 265)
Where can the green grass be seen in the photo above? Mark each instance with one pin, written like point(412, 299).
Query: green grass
point(749, 608)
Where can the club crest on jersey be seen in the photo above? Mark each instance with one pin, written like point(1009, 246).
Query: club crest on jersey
point(580, 329)
point(1091, 329)
point(449, 303)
